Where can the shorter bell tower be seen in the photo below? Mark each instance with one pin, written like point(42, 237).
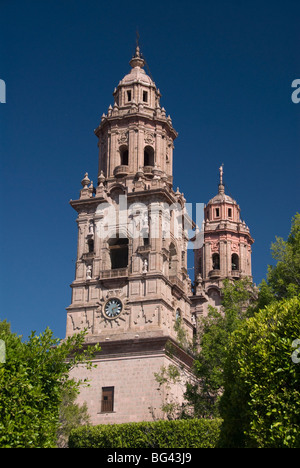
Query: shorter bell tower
point(226, 250)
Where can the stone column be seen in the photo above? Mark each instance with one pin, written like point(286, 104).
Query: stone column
point(228, 263)
point(158, 156)
point(81, 238)
point(108, 154)
point(223, 257)
point(140, 148)
point(113, 153)
point(132, 156)
point(249, 266)
point(207, 259)
point(243, 256)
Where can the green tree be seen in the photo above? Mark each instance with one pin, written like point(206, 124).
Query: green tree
point(283, 279)
point(241, 301)
point(71, 415)
point(261, 402)
point(214, 334)
point(33, 380)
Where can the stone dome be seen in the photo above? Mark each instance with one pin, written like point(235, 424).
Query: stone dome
point(221, 197)
point(137, 74)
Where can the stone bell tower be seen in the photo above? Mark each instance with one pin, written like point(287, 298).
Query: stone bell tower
point(131, 285)
point(226, 250)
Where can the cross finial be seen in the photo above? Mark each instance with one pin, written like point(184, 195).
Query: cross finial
point(137, 60)
point(221, 186)
point(221, 173)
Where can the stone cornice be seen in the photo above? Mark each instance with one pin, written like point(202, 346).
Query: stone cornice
point(115, 119)
point(141, 347)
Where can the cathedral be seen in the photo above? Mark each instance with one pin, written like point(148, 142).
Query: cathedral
point(131, 283)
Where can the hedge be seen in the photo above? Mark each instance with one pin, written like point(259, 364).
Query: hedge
point(183, 433)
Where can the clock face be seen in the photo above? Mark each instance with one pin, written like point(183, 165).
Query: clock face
point(113, 308)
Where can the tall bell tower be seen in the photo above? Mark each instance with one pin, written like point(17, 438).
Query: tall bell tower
point(131, 284)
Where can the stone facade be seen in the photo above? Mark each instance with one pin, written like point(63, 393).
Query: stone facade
point(129, 366)
point(131, 283)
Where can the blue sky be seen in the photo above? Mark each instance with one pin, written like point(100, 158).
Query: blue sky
point(224, 70)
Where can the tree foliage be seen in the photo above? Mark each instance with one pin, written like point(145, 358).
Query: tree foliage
point(284, 278)
point(261, 405)
point(244, 369)
point(193, 433)
point(214, 334)
point(71, 416)
point(261, 402)
point(33, 379)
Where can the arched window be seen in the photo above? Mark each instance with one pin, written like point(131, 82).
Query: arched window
point(235, 262)
point(216, 261)
point(91, 245)
point(145, 96)
point(124, 155)
point(172, 260)
point(148, 156)
point(118, 250)
point(200, 266)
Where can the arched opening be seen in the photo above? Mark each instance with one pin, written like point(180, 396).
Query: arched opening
point(118, 251)
point(148, 156)
point(91, 245)
point(172, 260)
point(214, 297)
point(200, 266)
point(235, 262)
point(124, 155)
point(145, 96)
point(216, 261)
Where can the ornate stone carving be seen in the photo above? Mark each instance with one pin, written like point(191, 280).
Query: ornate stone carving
point(123, 137)
point(81, 320)
point(149, 138)
point(145, 266)
point(215, 246)
point(145, 315)
point(235, 247)
point(102, 322)
point(89, 272)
